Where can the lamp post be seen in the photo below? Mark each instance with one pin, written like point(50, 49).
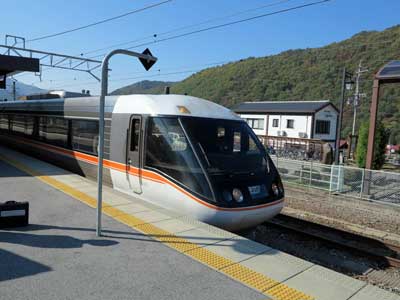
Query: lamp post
point(147, 59)
point(347, 83)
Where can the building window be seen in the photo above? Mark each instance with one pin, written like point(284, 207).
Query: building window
point(275, 123)
point(322, 127)
point(290, 123)
point(256, 123)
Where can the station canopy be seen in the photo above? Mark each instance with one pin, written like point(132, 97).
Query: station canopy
point(390, 72)
point(11, 65)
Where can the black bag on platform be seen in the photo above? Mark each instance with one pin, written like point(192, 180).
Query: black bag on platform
point(14, 214)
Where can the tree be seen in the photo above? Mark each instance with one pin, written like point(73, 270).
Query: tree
point(381, 137)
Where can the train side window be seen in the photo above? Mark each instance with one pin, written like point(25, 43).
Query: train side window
point(85, 136)
point(18, 124)
point(42, 128)
point(57, 131)
point(135, 130)
point(4, 122)
point(29, 125)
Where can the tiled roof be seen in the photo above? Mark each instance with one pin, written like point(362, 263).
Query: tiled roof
point(282, 106)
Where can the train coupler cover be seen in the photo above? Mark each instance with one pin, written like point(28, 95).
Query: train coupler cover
point(14, 214)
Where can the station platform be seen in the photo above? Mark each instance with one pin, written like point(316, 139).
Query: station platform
point(146, 252)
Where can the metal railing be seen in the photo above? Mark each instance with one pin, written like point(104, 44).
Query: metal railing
point(366, 184)
point(293, 148)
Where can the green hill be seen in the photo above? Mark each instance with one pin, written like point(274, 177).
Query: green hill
point(306, 74)
point(143, 87)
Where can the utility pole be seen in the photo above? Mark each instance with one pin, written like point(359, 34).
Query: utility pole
point(347, 83)
point(14, 90)
point(356, 102)
point(357, 94)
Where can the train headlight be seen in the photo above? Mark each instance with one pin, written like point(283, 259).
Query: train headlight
point(275, 189)
point(237, 195)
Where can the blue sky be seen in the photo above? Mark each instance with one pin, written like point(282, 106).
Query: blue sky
point(309, 27)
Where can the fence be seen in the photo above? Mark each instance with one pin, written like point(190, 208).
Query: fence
point(294, 148)
point(349, 181)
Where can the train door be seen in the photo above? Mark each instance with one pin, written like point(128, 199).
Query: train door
point(134, 154)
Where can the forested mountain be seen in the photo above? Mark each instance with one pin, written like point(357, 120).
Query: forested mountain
point(143, 87)
point(306, 74)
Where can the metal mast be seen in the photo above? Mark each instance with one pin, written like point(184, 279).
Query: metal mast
point(50, 59)
point(357, 95)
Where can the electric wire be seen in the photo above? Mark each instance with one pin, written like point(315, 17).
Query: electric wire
point(98, 22)
point(155, 35)
point(225, 24)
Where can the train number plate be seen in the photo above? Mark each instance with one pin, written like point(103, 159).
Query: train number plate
point(254, 190)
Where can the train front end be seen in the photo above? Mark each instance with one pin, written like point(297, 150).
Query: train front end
point(222, 166)
point(244, 183)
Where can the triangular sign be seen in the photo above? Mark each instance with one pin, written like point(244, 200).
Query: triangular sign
point(147, 64)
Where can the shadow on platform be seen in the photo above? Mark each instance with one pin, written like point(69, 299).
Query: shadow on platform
point(14, 266)
point(50, 241)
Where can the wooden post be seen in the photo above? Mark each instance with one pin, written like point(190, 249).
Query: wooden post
point(372, 124)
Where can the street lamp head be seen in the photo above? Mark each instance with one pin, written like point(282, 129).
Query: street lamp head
point(349, 85)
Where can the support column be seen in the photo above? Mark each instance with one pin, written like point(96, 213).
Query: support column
point(372, 124)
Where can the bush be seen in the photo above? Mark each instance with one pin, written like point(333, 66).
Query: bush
point(381, 137)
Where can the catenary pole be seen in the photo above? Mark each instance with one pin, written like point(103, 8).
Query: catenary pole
point(147, 60)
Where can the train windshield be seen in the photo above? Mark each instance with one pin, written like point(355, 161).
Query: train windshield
point(169, 151)
point(226, 146)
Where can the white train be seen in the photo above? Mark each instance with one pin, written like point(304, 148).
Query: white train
point(179, 152)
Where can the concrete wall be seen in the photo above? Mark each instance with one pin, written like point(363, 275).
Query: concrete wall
point(301, 124)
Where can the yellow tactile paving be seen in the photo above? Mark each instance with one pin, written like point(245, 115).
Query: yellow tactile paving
point(283, 292)
point(209, 258)
point(251, 278)
point(258, 281)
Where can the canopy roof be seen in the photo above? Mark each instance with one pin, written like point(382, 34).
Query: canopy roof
point(282, 107)
point(389, 72)
point(11, 65)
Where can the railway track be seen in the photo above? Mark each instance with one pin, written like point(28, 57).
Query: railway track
point(386, 253)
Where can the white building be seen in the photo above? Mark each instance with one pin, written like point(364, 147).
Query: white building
point(291, 119)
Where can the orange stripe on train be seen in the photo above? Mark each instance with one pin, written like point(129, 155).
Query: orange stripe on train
point(146, 174)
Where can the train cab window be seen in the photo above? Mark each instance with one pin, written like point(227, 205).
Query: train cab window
point(237, 151)
point(135, 130)
point(85, 136)
point(168, 151)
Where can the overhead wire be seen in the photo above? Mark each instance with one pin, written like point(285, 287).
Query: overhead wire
point(173, 71)
point(225, 25)
point(98, 22)
point(155, 35)
point(229, 23)
point(131, 78)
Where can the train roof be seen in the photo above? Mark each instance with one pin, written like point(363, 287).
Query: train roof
point(135, 104)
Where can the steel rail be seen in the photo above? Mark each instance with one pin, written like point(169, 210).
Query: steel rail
point(381, 250)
